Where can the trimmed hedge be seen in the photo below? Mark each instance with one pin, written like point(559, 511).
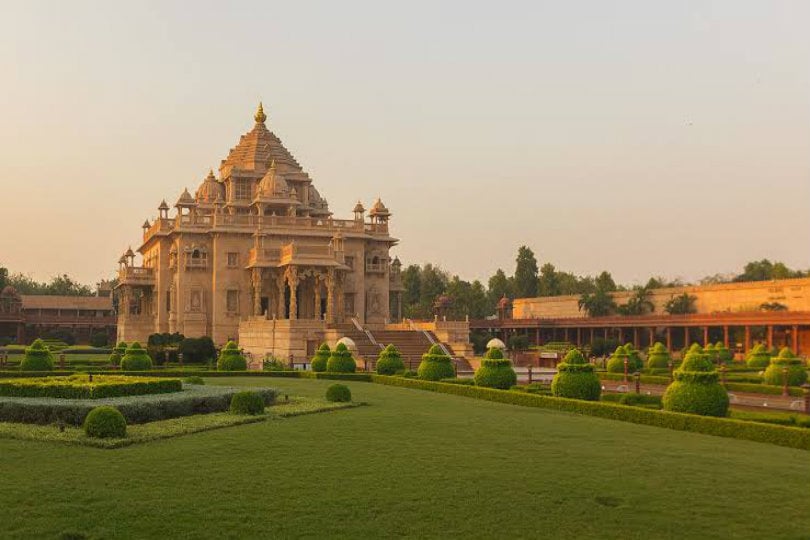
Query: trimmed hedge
point(136, 358)
point(247, 402)
point(338, 393)
point(722, 427)
point(341, 360)
point(231, 359)
point(615, 363)
point(658, 357)
point(104, 422)
point(118, 353)
point(495, 371)
point(37, 357)
point(796, 374)
point(390, 361)
point(696, 389)
point(758, 357)
point(80, 387)
point(436, 365)
point(319, 361)
point(576, 379)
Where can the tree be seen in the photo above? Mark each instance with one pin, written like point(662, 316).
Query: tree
point(526, 273)
point(681, 304)
point(597, 304)
point(765, 270)
point(499, 286)
point(3, 277)
point(604, 282)
point(549, 281)
point(639, 303)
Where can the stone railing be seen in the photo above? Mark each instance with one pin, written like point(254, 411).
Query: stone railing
point(136, 275)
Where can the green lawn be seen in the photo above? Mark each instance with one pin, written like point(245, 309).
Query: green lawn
point(412, 463)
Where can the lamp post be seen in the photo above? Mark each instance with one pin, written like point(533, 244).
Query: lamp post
point(637, 376)
point(785, 382)
point(670, 365)
point(625, 370)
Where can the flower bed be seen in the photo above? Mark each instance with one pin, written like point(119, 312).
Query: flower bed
point(83, 387)
point(194, 399)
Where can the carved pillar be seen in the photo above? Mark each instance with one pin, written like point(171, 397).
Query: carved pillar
point(318, 314)
point(330, 296)
point(292, 281)
point(399, 306)
point(256, 279)
point(341, 300)
point(280, 281)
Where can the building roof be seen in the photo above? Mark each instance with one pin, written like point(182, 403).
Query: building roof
point(37, 301)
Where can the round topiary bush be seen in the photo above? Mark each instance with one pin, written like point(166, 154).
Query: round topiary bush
point(118, 353)
point(724, 354)
point(634, 361)
point(758, 357)
point(319, 361)
point(103, 422)
point(37, 357)
point(339, 393)
point(247, 402)
point(341, 360)
point(696, 389)
point(796, 374)
point(576, 378)
point(436, 365)
point(390, 361)
point(136, 358)
point(495, 371)
point(615, 363)
point(711, 353)
point(231, 359)
point(658, 357)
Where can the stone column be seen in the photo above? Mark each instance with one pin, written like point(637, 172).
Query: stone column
point(669, 338)
point(747, 343)
point(256, 278)
point(399, 306)
point(636, 343)
point(579, 336)
point(770, 336)
point(330, 296)
point(318, 313)
point(705, 335)
point(795, 342)
point(725, 336)
point(686, 337)
point(280, 281)
point(292, 281)
point(652, 336)
point(341, 307)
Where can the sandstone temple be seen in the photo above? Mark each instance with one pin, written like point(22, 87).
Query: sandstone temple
point(255, 255)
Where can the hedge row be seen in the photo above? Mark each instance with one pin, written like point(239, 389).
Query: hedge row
point(80, 387)
point(646, 379)
point(136, 409)
point(362, 376)
point(752, 388)
point(721, 427)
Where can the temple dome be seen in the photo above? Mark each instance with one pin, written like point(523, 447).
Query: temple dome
point(185, 199)
point(210, 190)
point(379, 209)
point(272, 185)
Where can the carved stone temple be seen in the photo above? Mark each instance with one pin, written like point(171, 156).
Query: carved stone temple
point(256, 256)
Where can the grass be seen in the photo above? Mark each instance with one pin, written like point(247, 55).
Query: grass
point(413, 463)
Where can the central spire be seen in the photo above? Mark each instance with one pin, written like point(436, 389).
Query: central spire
point(260, 117)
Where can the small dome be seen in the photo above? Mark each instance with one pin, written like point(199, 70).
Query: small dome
point(273, 185)
point(185, 199)
point(504, 302)
point(379, 209)
point(210, 190)
point(129, 253)
point(146, 224)
point(495, 343)
point(358, 208)
point(163, 205)
point(348, 342)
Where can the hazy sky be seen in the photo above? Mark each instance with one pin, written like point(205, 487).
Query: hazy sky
point(647, 137)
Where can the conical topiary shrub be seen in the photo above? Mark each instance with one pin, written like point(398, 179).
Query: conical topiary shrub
point(435, 365)
point(658, 357)
point(634, 361)
point(390, 361)
point(136, 358)
point(576, 378)
point(118, 353)
point(758, 357)
point(711, 353)
point(231, 358)
point(724, 354)
point(615, 363)
point(796, 374)
point(37, 357)
point(696, 389)
point(318, 362)
point(341, 360)
point(495, 371)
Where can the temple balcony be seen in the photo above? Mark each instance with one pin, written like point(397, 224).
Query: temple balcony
point(264, 257)
point(136, 275)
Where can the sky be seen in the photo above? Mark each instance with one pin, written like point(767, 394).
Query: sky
point(640, 137)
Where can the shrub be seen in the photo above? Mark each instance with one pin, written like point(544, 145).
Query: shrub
point(118, 353)
point(436, 365)
point(758, 357)
point(390, 361)
point(341, 360)
point(103, 422)
point(194, 380)
point(711, 353)
point(247, 402)
point(634, 361)
point(724, 354)
point(321, 358)
point(231, 359)
point(136, 358)
point(640, 400)
point(696, 389)
point(456, 380)
point(271, 363)
point(796, 374)
point(616, 362)
point(576, 379)
point(98, 339)
point(197, 350)
point(80, 386)
point(658, 357)
point(495, 371)
point(37, 357)
point(339, 393)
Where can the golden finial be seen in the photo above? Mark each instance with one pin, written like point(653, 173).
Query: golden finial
point(260, 117)
point(272, 164)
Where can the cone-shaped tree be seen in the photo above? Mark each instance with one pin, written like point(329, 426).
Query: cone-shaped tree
point(758, 357)
point(711, 353)
point(390, 361)
point(341, 360)
point(231, 359)
point(576, 379)
point(435, 365)
point(724, 354)
point(495, 371)
point(659, 356)
point(796, 374)
point(37, 357)
point(615, 363)
point(136, 358)
point(696, 389)
point(118, 353)
point(634, 361)
point(321, 358)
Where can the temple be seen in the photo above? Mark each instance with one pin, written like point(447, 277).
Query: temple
point(256, 255)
